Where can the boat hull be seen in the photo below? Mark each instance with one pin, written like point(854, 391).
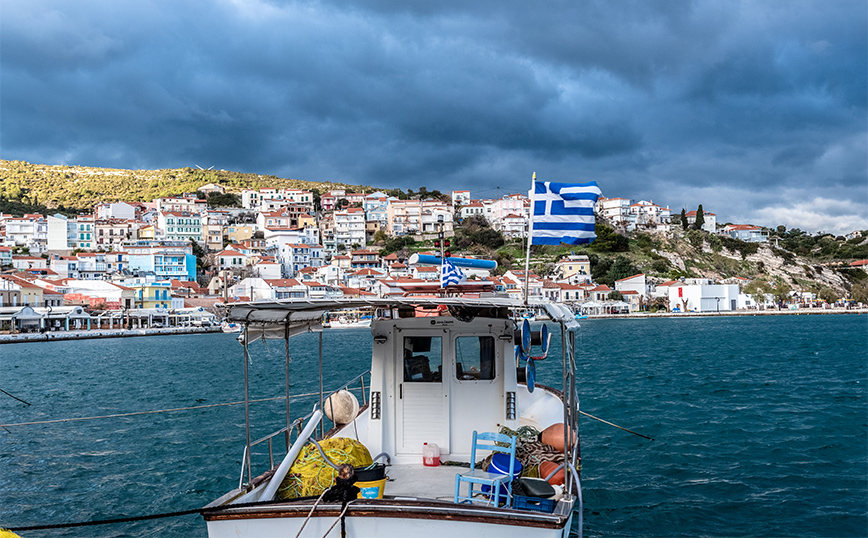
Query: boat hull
point(388, 517)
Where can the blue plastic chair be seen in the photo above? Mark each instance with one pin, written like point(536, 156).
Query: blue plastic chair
point(477, 477)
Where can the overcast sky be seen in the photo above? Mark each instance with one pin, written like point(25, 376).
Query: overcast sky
point(755, 109)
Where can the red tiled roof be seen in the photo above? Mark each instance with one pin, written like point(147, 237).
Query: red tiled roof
point(282, 282)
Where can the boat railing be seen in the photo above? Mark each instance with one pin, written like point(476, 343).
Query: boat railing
point(287, 433)
point(356, 384)
point(290, 433)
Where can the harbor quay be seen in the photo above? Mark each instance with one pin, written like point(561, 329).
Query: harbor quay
point(126, 333)
point(102, 333)
point(736, 313)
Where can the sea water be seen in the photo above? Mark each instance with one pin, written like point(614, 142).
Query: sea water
point(759, 425)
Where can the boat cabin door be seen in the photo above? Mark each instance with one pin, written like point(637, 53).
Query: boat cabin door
point(423, 398)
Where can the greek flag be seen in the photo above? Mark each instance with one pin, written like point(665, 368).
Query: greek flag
point(449, 274)
point(563, 213)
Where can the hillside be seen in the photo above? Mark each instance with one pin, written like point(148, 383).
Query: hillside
point(74, 189)
point(797, 260)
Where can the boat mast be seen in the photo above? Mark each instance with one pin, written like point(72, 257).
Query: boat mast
point(287, 361)
point(529, 239)
point(247, 403)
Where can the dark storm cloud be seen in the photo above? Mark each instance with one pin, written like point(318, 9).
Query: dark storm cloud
point(756, 110)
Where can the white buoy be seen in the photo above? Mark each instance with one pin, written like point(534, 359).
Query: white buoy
point(341, 407)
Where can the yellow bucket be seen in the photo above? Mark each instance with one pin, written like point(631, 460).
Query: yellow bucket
point(372, 489)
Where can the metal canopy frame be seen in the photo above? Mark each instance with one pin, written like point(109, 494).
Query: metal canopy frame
point(290, 317)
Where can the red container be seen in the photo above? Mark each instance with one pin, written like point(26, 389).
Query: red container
point(430, 455)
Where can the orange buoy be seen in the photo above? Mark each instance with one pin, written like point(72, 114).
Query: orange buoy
point(547, 467)
point(554, 436)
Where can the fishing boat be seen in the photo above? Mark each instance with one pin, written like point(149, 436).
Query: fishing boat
point(436, 386)
point(349, 319)
point(228, 327)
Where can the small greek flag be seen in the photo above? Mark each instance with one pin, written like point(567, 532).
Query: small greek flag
point(563, 213)
point(449, 274)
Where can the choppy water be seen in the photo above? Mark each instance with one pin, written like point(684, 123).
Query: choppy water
point(760, 426)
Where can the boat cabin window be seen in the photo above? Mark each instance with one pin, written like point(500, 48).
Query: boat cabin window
point(474, 358)
point(423, 360)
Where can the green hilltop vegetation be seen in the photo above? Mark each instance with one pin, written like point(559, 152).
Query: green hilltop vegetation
point(39, 188)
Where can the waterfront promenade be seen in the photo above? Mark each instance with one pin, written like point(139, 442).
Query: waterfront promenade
point(126, 333)
point(102, 333)
point(782, 312)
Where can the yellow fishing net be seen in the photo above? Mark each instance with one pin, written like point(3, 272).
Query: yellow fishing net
point(310, 475)
point(7, 534)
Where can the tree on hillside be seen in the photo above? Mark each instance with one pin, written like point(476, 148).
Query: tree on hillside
point(757, 291)
point(781, 293)
point(608, 240)
point(396, 244)
point(695, 238)
point(615, 296)
point(621, 268)
point(216, 199)
point(599, 267)
point(684, 223)
point(475, 230)
point(859, 292)
point(199, 252)
point(828, 294)
point(700, 218)
point(661, 266)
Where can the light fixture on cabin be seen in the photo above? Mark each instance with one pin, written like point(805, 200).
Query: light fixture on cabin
point(380, 339)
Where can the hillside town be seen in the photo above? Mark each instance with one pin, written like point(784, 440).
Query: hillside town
point(172, 260)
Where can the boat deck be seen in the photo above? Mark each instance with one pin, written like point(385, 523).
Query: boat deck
point(416, 481)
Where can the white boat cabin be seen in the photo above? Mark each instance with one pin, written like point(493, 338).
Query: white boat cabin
point(435, 380)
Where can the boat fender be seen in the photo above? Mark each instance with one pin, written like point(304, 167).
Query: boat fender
point(548, 468)
point(554, 436)
point(559, 492)
point(341, 407)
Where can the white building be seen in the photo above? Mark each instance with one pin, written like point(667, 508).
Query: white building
point(231, 259)
point(376, 207)
point(646, 215)
point(267, 269)
point(636, 283)
point(508, 206)
point(472, 208)
point(85, 239)
point(746, 232)
point(270, 198)
point(180, 226)
point(460, 198)
point(180, 204)
point(30, 231)
point(616, 210)
point(703, 297)
point(419, 216)
point(294, 257)
point(350, 228)
point(710, 220)
point(512, 226)
point(116, 210)
point(61, 233)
